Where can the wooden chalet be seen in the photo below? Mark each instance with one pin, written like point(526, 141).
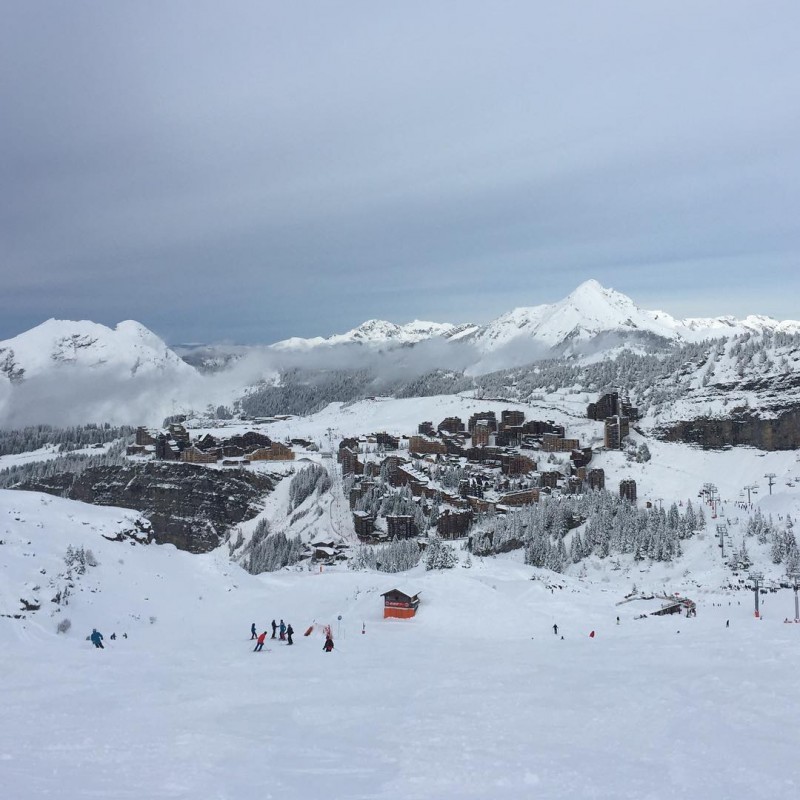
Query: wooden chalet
point(400, 603)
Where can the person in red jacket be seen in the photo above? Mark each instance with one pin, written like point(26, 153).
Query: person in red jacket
point(260, 642)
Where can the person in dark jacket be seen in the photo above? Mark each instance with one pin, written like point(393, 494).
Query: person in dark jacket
point(282, 628)
point(289, 633)
point(328, 646)
point(555, 629)
point(260, 642)
point(97, 638)
point(274, 628)
point(253, 634)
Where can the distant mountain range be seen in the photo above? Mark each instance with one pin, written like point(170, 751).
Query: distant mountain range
point(587, 313)
point(72, 372)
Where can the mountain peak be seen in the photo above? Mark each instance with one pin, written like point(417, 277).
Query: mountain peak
point(593, 292)
point(589, 287)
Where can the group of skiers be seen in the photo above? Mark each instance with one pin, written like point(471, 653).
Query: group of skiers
point(96, 638)
point(285, 634)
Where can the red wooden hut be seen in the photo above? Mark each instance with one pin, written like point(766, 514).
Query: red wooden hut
point(400, 603)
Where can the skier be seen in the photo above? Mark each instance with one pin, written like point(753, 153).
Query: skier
point(555, 630)
point(260, 642)
point(113, 636)
point(253, 634)
point(727, 623)
point(591, 635)
point(617, 620)
point(97, 638)
point(328, 646)
point(282, 628)
point(274, 626)
point(289, 633)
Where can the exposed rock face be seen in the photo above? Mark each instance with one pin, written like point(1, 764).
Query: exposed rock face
point(780, 433)
point(188, 505)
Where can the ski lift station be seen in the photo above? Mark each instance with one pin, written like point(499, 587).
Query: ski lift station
point(400, 603)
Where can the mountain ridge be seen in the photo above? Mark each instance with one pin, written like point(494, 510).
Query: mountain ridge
point(587, 312)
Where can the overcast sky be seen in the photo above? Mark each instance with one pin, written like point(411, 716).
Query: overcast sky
point(251, 171)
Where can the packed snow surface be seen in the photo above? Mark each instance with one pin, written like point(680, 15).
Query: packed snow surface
point(474, 698)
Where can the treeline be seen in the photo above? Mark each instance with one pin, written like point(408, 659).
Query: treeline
point(440, 555)
point(396, 556)
point(613, 526)
point(74, 463)
point(268, 552)
point(402, 554)
point(305, 391)
point(437, 381)
point(781, 539)
point(35, 437)
point(314, 478)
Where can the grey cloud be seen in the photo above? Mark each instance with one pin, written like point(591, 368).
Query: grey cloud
point(261, 171)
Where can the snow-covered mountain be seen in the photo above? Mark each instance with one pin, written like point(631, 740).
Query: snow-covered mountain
point(128, 349)
point(588, 313)
point(377, 332)
point(80, 371)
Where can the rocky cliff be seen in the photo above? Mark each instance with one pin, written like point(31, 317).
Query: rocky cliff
point(741, 428)
point(188, 505)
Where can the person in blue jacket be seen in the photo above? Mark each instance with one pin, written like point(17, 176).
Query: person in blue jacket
point(282, 629)
point(97, 638)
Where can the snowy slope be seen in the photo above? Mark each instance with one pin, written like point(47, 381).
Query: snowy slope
point(475, 698)
point(36, 529)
